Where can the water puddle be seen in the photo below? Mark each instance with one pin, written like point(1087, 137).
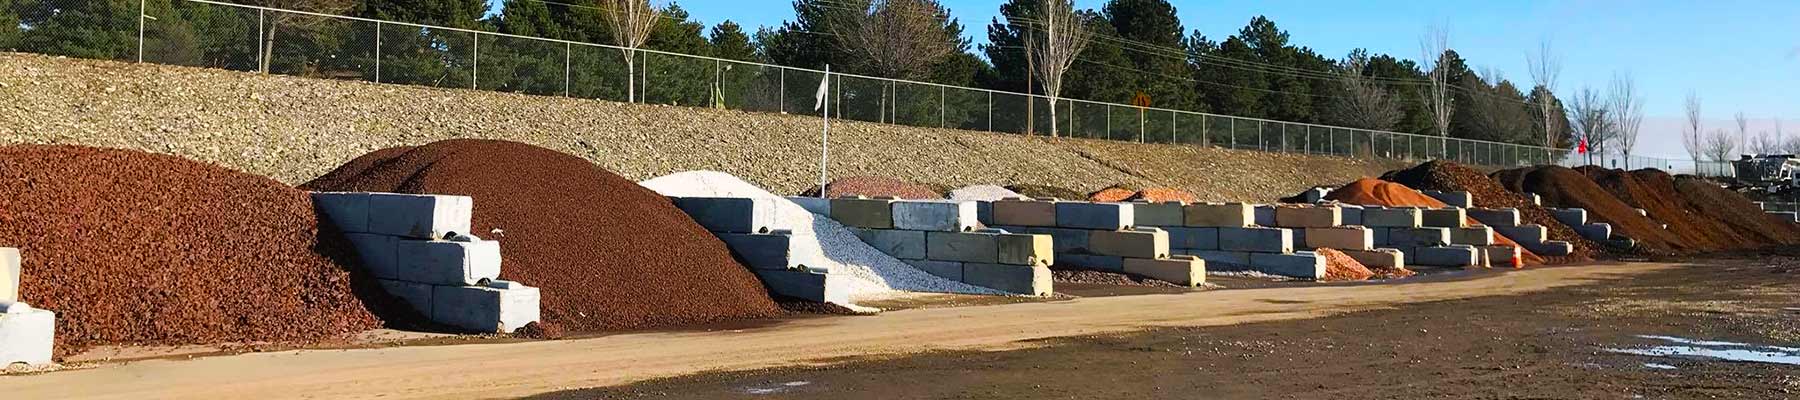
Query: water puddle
point(1729, 351)
point(776, 389)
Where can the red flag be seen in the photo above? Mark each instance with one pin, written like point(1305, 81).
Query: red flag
point(1581, 148)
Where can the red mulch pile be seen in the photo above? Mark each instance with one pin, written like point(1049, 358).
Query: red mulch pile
point(1567, 188)
point(130, 247)
point(1340, 267)
point(1654, 191)
point(1369, 191)
point(875, 186)
point(607, 253)
point(1737, 212)
point(1158, 195)
point(1442, 175)
point(1112, 194)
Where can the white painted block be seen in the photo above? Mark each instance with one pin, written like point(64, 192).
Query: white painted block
point(27, 335)
point(419, 216)
point(935, 215)
point(443, 262)
point(500, 308)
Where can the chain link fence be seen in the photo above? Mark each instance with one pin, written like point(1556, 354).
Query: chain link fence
point(205, 33)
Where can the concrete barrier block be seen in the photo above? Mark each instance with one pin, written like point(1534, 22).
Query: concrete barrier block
point(1473, 236)
point(380, 254)
point(1217, 215)
point(1315, 194)
point(943, 269)
point(1502, 255)
point(1137, 242)
point(1387, 258)
point(1570, 216)
point(1300, 264)
point(1418, 236)
point(1033, 281)
point(499, 308)
point(1552, 248)
point(1456, 255)
point(1187, 271)
point(815, 205)
point(1263, 214)
point(1219, 260)
point(984, 212)
point(1104, 263)
point(863, 212)
point(1341, 238)
point(1024, 212)
point(1453, 199)
point(974, 247)
point(1536, 200)
point(1598, 232)
point(9, 274)
point(1524, 234)
point(1161, 215)
point(444, 262)
point(1352, 214)
point(1444, 217)
point(348, 211)
point(772, 250)
point(1025, 249)
point(1062, 240)
point(823, 288)
point(1391, 217)
point(27, 335)
point(417, 295)
point(905, 245)
point(1308, 217)
point(935, 215)
point(1495, 216)
point(1089, 215)
point(1193, 238)
point(729, 214)
point(1256, 239)
point(419, 216)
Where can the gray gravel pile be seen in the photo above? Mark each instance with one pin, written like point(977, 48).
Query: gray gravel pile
point(982, 193)
point(821, 240)
point(294, 129)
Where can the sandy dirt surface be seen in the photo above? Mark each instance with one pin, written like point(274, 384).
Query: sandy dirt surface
point(520, 369)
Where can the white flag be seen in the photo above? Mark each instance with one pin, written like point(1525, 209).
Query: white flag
point(819, 98)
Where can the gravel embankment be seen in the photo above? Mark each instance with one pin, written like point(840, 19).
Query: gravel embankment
point(295, 129)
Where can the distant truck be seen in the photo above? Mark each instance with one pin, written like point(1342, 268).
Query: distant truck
point(1767, 172)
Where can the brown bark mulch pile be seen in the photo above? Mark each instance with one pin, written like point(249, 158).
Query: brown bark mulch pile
point(1442, 175)
point(1568, 188)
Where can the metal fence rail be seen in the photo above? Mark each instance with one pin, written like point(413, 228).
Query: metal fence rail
point(216, 34)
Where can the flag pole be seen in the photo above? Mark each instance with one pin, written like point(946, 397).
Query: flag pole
point(825, 136)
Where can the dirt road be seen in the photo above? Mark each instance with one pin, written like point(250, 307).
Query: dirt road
point(519, 369)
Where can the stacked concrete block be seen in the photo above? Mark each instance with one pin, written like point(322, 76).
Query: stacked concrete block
point(809, 285)
point(1456, 255)
point(1315, 194)
point(774, 250)
point(1577, 219)
point(1390, 258)
point(1495, 216)
point(746, 226)
point(1536, 239)
point(1536, 200)
point(1570, 216)
point(1506, 256)
point(863, 212)
point(1105, 236)
point(1232, 215)
point(1024, 212)
point(1352, 214)
point(1238, 236)
point(1256, 239)
point(1161, 215)
point(1444, 217)
point(1147, 243)
point(941, 237)
point(1299, 264)
point(935, 215)
point(1265, 215)
point(1094, 215)
point(1473, 236)
point(27, 334)
point(1340, 237)
point(1384, 217)
point(420, 249)
point(814, 205)
point(1181, 270)
point(729, 214)
point(1457, 199)
point(1308, 217)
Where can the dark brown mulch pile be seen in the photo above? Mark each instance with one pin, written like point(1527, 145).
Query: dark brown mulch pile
point(607, 253)
point(875, 186)
point(1442, 175)
point(1736, 211)
point(1046, 192)
point(1654, 191)
point(1077, 275)
point(1567, 188)
point(137, 248)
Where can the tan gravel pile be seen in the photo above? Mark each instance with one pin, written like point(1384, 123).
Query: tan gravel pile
point(295, 129)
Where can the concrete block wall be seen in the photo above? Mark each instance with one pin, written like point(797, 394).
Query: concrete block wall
point(1458, 199)
point(420, 249)
point(1385, 236)
point(1577, 219)
point(746, 226)
point(1241, 236)
point(27, 334)
point(1110, 236)
point(944, 238)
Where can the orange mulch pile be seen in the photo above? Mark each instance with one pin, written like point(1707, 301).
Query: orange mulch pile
point(1340, 267)
point(1158, 195)
point(1112, 194)
point(1370, 191)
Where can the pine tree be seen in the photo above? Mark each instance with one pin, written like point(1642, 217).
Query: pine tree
point(1161, 70)
point(729, 42)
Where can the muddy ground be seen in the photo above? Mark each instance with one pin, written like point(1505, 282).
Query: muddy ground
point(1561, 344)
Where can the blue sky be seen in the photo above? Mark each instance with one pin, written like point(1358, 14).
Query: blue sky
point(1737, 55)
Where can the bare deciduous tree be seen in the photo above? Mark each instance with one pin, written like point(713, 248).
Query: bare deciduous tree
point(301, 22)
point(1061, 35)
point(1365, 104)
point(1690, 135)
point(1545, 67)
point(1627, 112)
point(631, 22)
point(1719, 145)
point(1743, 126)
point(1589, 115)
point(1764, 143)
point(1437, 95)
point(898, 39)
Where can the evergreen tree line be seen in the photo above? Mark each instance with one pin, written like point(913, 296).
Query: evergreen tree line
point(1140, 46)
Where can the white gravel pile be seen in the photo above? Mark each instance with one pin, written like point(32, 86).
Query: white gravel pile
point(983, 193)
point(818, 238)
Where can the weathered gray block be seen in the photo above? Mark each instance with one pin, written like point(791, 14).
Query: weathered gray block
point(1024, 249)
point(1453, 199)
point(772, 250)
point(1473, 236)
point(729, 214)
point(9, 274)
point(815, 205)
point(943, 269)
point(1063, 240)
point(1256, 239)
point(1034, 281)
point(975, 247)
point(417, 295)
point(500, 308)
point(1089, 215)
point(1315, 194)
point(419, 216)
point(935, 215)
point(1524, 234)
point(379, 253)
point(984, 212)
point(1012, 212)
point(1352, 214)
point(444, 262)
point(1264, 214)
point(1219, 260)
point(1598, 232)
point(1107, 263)
point(1341, 238)
point(1193, 238)
point(863, 213)
point(1161, 215)
point(348, 211)
point(1418, 236)
point(1136, 242)
point(1444, 218)
point(1455, 255)
point(1188, 271)
point(1570, 216)
point(823, 288)
point(1308, 217)
point(1552, 248)
point(905, 245)
point(1391, 258)
point(1230, 215)
point(1495, 216)
point(1300, 264)
point(27, 335)
point(1391, 217)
